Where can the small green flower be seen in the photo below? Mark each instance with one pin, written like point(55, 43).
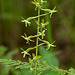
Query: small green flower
point(27, 38)
point(37, 4)
point(25, 53)
point(48, 44)
point(53, 11)
point(42, 33)
point(50, 11)
point(26, 22)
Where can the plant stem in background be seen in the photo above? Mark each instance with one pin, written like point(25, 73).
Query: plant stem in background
point(49, 32)
point(37, 37)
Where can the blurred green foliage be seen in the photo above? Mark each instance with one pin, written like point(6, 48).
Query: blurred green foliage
point(4, 69)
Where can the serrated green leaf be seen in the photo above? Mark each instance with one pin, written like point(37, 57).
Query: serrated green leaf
point(50, 58)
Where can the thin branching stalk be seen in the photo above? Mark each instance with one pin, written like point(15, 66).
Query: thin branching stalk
point(38, 30)
point(37, 39)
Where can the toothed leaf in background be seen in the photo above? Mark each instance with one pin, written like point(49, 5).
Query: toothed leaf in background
point(50, 58)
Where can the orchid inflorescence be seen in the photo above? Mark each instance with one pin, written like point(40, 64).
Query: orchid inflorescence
point(41, 27)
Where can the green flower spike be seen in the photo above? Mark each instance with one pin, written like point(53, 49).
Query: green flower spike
point(27, 38)
point(25, 53)
point(26, 22)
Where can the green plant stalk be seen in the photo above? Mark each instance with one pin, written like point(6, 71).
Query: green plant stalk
point(30, 18)
point(48, 26)
point(37, 30)
point(49, 33)
point(37, 39)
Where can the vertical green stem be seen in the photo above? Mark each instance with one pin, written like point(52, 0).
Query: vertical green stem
point(37, 37)
point(38, 30)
